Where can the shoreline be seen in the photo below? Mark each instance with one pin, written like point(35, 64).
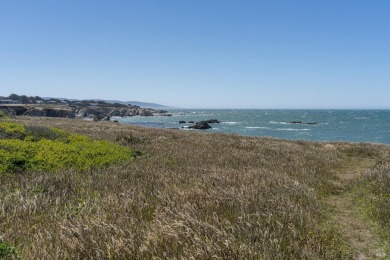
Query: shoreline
point(314, 125)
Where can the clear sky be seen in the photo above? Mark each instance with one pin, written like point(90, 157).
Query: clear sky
point(200, 53)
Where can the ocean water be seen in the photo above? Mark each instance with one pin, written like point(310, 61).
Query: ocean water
point(317, 125)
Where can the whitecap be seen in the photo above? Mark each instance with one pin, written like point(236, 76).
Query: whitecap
point(230, 123)
point(279, 123)
point(257, 127)
point(292, 129)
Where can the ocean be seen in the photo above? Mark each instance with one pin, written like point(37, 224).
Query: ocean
point(314, 125)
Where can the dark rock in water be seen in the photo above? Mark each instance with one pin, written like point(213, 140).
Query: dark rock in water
point(204, 124)
point(303, 123)
point(213, 121)
point(201, 125)
point(182, 122)
point(191, 122)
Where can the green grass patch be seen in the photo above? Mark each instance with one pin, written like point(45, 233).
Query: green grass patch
point(40, 148)
point(7, 251)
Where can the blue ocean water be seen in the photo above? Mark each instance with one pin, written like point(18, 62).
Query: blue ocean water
point(314, 125)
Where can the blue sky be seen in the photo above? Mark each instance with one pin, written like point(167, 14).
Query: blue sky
point(200, 53)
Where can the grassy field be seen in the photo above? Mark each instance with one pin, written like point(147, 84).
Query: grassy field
point(190, 195)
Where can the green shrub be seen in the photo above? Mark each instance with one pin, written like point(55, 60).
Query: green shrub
point(9, 130)
point(40, 132)
point(39, 148)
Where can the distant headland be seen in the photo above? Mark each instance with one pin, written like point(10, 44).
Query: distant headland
point(98, 110)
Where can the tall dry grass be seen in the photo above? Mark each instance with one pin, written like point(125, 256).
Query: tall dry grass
point(188, 195)
point(372, 192)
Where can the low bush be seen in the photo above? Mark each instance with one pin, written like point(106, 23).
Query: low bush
point(10, 130)
point(40, 148)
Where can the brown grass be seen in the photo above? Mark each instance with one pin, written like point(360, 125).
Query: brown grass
point(189, 196)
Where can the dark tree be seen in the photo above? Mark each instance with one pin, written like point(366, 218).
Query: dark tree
point(23, 99)
point(14, 97)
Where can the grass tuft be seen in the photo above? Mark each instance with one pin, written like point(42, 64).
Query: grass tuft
point(7, 251)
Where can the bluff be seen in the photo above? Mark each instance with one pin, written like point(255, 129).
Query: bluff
point(97, 113)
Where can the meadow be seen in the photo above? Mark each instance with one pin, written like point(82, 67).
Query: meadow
point(112, 191)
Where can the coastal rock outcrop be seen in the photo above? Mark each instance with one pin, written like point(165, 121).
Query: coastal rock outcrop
point(213, 121)
point(97, 113)
point(202, 125)
point(13, 110)
point(49, 112)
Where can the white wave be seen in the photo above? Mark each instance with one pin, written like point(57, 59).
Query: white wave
point(292, 129)
point(179, 114)
point(279, 123)
point(257, 127)
point(230, 123)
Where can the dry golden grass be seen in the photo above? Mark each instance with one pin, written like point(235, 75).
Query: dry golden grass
point(189, 196)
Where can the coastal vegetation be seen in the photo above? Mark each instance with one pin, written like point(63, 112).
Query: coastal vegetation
point(159, 193)
point(24, 148)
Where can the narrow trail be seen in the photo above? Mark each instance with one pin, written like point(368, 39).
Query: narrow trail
point(347, 216)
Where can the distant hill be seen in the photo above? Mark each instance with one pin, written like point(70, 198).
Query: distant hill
point(23, 99)
point(137, 103)
point(147, 105)
point(134, 103)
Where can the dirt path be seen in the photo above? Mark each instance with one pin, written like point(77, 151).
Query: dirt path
point(346, 215)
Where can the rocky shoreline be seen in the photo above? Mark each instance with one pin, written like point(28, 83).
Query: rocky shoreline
point(96, 113)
